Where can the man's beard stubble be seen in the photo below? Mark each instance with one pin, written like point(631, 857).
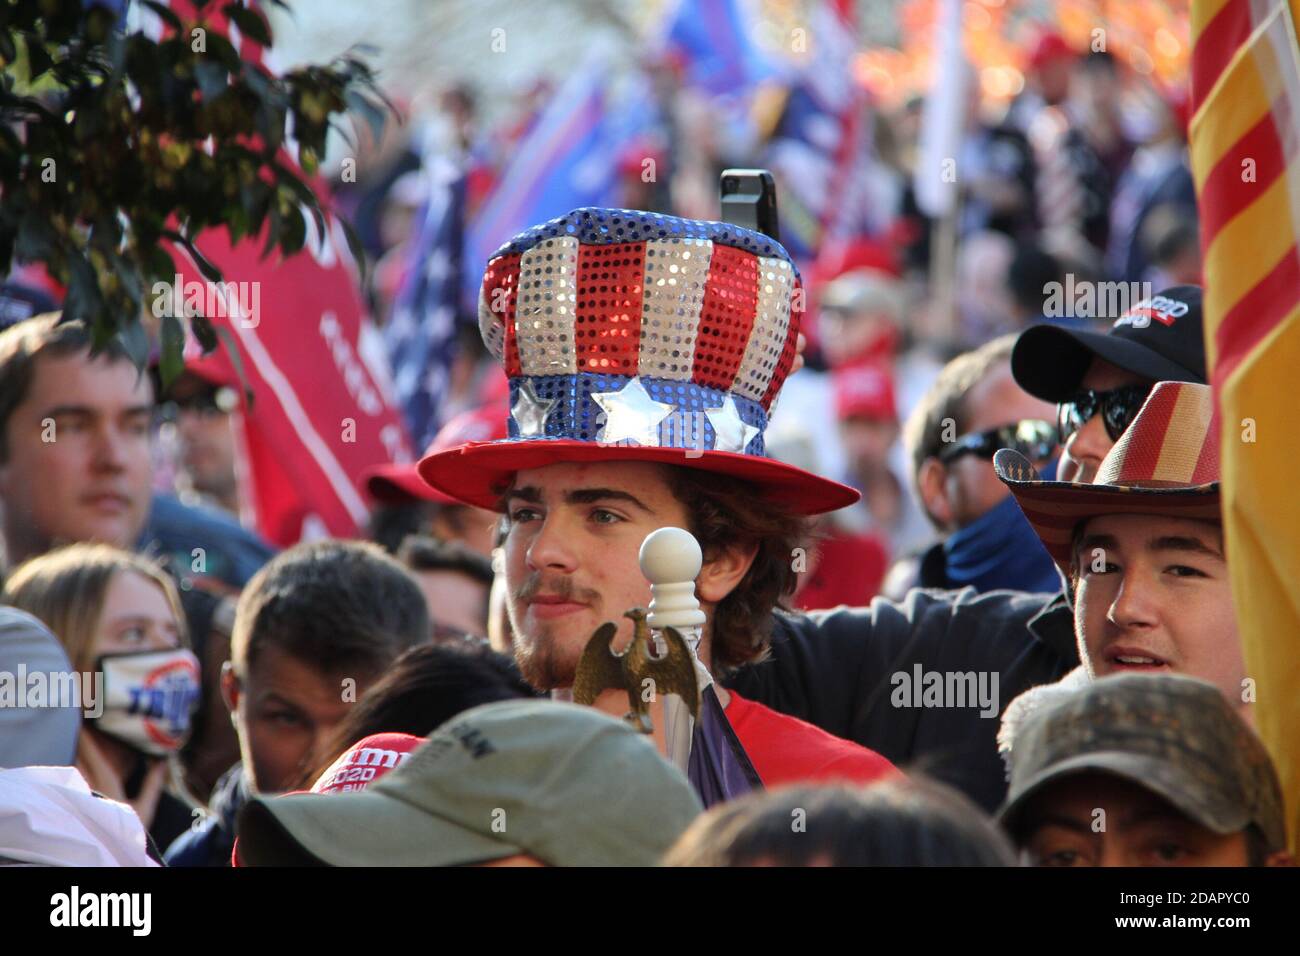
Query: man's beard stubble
point(543, 659)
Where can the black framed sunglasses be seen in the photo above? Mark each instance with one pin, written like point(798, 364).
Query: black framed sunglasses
point(1118, 408)
point(1034, 438)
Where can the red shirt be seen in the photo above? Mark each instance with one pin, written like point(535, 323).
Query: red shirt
point(785, 749)
point(849, 570)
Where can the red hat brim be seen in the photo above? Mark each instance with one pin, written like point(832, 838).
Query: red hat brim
point(402, 484)
point(479, 473)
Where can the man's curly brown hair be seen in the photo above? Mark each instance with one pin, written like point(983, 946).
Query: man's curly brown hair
point(730, 513)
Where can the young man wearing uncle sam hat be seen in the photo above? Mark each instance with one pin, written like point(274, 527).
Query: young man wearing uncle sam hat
point(644, 353)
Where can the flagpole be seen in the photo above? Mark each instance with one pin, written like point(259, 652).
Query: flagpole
point(943, 278)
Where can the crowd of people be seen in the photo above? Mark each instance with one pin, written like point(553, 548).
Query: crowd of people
point(963, 580)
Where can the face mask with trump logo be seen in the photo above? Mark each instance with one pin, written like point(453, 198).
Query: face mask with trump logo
point(149, 697)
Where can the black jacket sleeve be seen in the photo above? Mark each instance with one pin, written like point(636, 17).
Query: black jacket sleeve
point(839, 669)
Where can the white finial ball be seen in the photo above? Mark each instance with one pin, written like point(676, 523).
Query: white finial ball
point(670, 555)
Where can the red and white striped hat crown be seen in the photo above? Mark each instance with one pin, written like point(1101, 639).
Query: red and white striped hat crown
point(634, 336)
point(1167, 463)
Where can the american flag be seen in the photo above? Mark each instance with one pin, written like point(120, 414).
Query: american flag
point(715, 43)
point(421, 333)
point(819, 151)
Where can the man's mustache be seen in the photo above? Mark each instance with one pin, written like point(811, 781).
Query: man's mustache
point(563, 588)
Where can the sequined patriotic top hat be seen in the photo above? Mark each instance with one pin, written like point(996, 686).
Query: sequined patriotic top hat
point(633, 336)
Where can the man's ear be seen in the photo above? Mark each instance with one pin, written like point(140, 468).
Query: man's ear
point(721, 575)
point(231, 688)
point(931, 483)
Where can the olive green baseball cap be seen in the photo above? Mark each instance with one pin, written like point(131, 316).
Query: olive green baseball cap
point(565, 784)
point(1173, 735)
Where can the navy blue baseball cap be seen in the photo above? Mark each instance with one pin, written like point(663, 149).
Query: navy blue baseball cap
point(1160, 338)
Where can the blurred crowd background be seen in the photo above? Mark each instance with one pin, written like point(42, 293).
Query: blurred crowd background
point(939, 165)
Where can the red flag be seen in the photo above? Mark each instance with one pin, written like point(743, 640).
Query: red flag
point(323, 409)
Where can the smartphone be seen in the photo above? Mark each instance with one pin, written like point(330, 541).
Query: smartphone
point(749, 200)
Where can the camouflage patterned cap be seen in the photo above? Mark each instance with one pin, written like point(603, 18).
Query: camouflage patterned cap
point(1173, 735)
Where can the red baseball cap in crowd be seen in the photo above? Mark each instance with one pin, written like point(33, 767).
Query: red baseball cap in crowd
point(358, 767)
point(397, 483)
point(1048, 47)
point(365, 762)
point(864, 390)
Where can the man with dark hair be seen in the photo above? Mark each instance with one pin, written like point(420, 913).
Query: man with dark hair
point(838, 669)
point(313, 630)
point(425, 687)
point(906, 821)
point(974, 408)
point(74, 439)
point(201, 410)
point(1144, 771)
point(644, 353)
point(455, 582)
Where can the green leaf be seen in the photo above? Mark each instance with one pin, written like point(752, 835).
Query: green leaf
point(35, 238)
point(38, 58)
point(161, 266)
point(135, 341)
point(356, 247)
point(250, 23)
point(294, 235)
point(305, 195)
point(166, 14)
point(273, 229)
point(171, 361)
point(204, 332)
point(238, 362)
point(129, 277)
point(372, 114)
point(210, 272)
point(211, 77)
point(224, 51)
point(84, 299)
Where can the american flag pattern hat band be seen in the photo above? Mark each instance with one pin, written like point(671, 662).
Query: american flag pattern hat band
point(1167, 463)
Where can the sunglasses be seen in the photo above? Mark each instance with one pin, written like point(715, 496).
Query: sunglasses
point(1118, 408)
point(208, 402)
point(1034, 438)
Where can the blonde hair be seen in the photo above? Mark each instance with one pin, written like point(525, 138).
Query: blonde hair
point(66, 589)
